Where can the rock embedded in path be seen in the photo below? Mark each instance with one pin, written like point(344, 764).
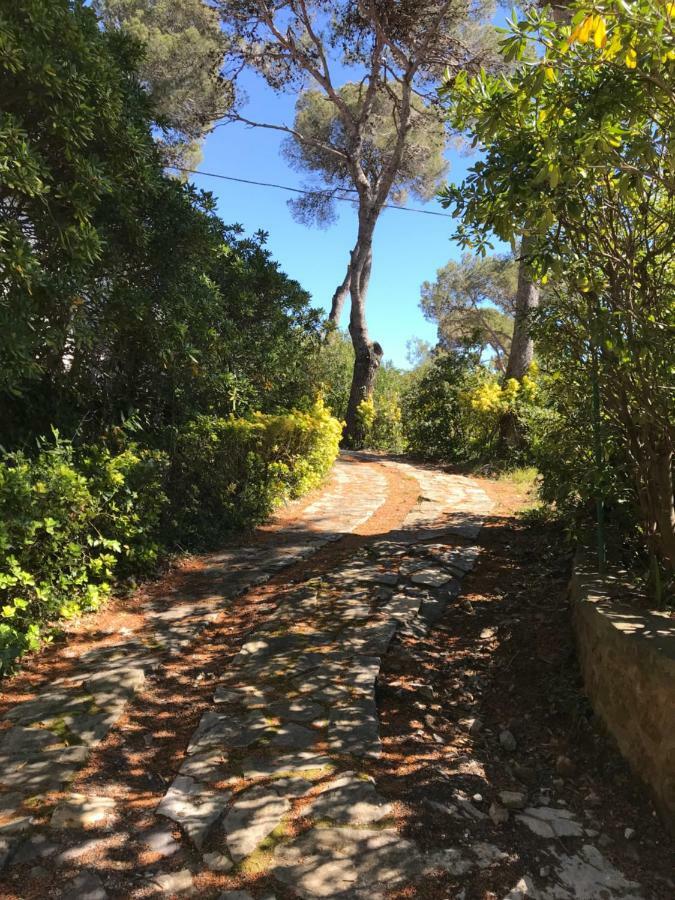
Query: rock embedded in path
point(431, 577)
point(341, 862)
point(513, 799)
point(162, 842)
point(176, 884)
point(548, 822)
point(507, 740)
point(194, 806)
point(487, 855)
point(79, 811)
point(217, 862)
point(85, 886)
point(252, 818)
point(36, 847)
point(294, 737)
point(498, 814)
point(355, 730)
point(350, 800)
point(589, 875)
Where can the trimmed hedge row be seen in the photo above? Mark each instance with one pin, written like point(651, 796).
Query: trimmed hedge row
point(73, 520)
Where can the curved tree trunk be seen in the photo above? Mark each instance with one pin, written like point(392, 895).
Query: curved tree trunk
point(339, 298)
point(367, 353)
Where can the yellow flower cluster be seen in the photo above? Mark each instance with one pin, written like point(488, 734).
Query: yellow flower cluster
point(493, 398)
point(595, 26)
point(365, 412)
point(591, 27)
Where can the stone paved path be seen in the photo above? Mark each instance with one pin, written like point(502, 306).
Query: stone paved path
point(274, 781)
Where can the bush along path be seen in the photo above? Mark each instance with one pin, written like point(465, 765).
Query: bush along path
point(233, 744)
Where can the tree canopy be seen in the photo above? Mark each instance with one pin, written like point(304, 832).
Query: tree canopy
point(363, 135)
point(579, 156)
point(472, 302)
point(182, 57)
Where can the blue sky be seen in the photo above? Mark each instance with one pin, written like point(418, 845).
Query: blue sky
point(408, 248)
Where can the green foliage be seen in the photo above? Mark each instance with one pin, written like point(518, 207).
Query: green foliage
point(379, 417)
point(72, 520)
point(231, 473)
point(66, 519)
point(472, 303)
point(386, 429)
point(164, 345)
point(331, 371)
point(183, 47)
point(130, 487)
point(434, 423)
point(73, 140)
point(122, 291)
point(578, 156)
point(327, 144)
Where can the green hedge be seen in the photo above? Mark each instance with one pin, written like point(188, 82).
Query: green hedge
point(231, 473)
point(67, 518)
point(74, 520)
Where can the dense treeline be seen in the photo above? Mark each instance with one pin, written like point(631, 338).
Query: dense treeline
point(143, 343)
point(162, 382)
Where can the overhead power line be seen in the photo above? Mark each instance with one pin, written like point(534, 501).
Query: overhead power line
point(296, 190)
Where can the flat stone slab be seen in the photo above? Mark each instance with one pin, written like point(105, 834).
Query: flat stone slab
point(589, 875)
point(350, 800)
point(300, 710)
point(548, 822)
point(80, 811)
point(403, 607)
point(222, 731)
point(194, 806)
point(462, 559)
point(207, 766)
point(355, 729)
point(369, 640)
point(161, 841)
point(34, 848)
point(431, 576)
point(252, 818)
point(85, 886)
point(336, 862)
point(294, 737)
point(218, 862)
point(175, 884)
point(286, 765)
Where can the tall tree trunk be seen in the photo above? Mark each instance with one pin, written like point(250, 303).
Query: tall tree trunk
point(339, 298)
point(521, 353)
point(659, 465)
point(527, 300)
point(367, 353)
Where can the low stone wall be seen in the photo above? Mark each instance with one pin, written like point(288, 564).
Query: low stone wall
point(628, 663)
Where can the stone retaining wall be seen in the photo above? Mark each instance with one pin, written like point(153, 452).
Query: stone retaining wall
point(628, 661)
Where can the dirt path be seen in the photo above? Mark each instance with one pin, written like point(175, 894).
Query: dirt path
point(370, 696)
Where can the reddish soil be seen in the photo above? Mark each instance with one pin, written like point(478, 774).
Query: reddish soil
point(143, 752)
point(516, 637)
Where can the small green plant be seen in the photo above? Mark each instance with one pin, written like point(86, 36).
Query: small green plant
point(231, 473)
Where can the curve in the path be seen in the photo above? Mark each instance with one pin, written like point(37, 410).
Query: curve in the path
point(35, 758)
point(274, 781)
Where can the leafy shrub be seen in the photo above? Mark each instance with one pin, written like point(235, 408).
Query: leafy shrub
point(130, 487)
point(65, 521)
point(434, 420)
point(231, 473)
